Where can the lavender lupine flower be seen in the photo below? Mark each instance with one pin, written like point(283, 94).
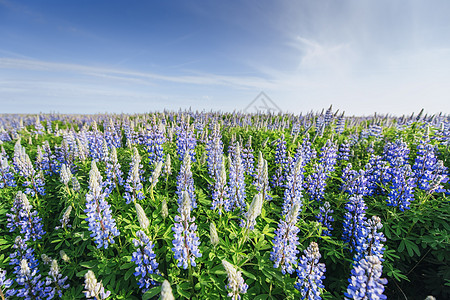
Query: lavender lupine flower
point(236, 284)
point(284, 252)
point(186, 141)
point(396, 153)
point(24, 217)
point(22, 252)
point(261, 181)
point(248, 159)
point(133, 185)
point(145, 261)
point(98, 212)
point(65, 219)
point(185, 182)
point(34, 181)
point(253, 212)
point(344, 152)
point(55, 283)
point(154, 143)
point(354, 220)
point(75, 184)
point(377, 173)
point(236, 184)
point(427, 169)
point(306, 151)
point(6, 174)
point(366, 281)
point(220, 193)
point(93, 288)
point(328, 156)
point(28, 277)
point(340, 125)
point(310, 273)
point(5, 284)
point(278, 178)
point(293, 191)
point(185, 240)
point(375, 130)
point(214, 150)
point(65, 175)
point(114, 174)
point(355, 183)
point(95, 143)
point(325, 218)
point(401, 190)
point(166, 291)
point(49, 163)
point(370, 242)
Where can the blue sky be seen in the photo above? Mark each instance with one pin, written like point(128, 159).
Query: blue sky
point(138, 56)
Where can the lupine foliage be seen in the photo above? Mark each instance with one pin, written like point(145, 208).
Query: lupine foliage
point(343, 204)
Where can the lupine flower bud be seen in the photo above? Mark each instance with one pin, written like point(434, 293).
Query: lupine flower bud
point(142, 217)
point(156, 173)
point(75, 184)
point(214, 238)
point(253, 212)
point(236, 283)
point(64, 256)
point(164, 209)
point(168, 166)
point(93, 288)
point(166, 291)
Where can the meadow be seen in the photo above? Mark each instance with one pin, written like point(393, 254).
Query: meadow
point(212, 205)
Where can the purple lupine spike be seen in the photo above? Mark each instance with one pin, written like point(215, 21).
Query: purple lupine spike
point(133, 185)
point(186, 141)
point(236, 184)
point(220, 193)
point(186, 240)
point(55, 282)
point(325, 218)
point(281, 161)
point(354, 220)
point(294, 181)
point(145, 261)
point(284, 251)
point(114, 174)
point(214, 150)
point(310, 273)
point(430, 173)
point(185, 182)
point(261, 181)
point(248, 159)
point(98, 212)
point(6, 174)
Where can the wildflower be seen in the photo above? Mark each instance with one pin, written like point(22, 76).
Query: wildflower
point(65, 219)
point(220, 193)
point(98, 213)
point(5, 285)
point(284, 251)
point(142, 217)
point(354, 220)
point(236, 284)
point(366, 281)
point(28, 277)
point(166, 291)
point(236, 184)
point(214, 150)
point(325, 218)
point(114, 175)
point(281, 161)
point(213, 236)
point(310, 273)
point(253, 212)
point(185, 182)
point(293, 191)
point(185, 240)
point(6, 174)
point(93, 288)
point(64, 256)
point(144, 258)
point(186, 141)
point(65, 174)
point(133, 186)
point(55, 283)
point(262, 178)
point(164, 209)
point(156, 173)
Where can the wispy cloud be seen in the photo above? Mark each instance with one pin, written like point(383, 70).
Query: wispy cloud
point(127, 75)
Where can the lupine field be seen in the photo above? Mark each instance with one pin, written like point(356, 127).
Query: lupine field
point(210, 205)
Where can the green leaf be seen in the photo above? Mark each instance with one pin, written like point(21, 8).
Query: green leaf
point(151, 293)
